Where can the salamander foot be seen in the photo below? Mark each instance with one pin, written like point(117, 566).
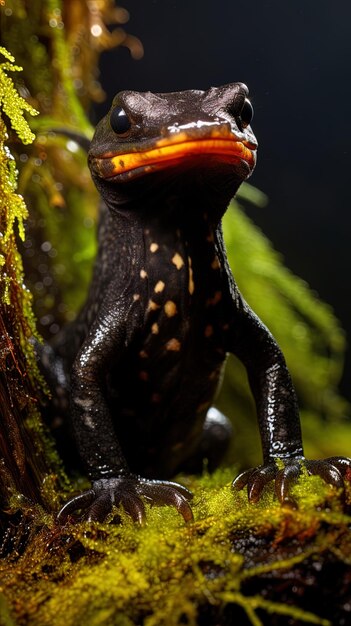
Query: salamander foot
point(334, 470)
point(97, 502)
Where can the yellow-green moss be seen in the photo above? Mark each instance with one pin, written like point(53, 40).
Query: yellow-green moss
point(12, 206)
point(12, 104)
point(24, 447)
point(164, 572)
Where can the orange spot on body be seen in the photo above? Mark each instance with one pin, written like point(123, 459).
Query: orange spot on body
point(159, 286)
point(177, 261)
point(153, 306)
point(173, 345)
point(170, 308)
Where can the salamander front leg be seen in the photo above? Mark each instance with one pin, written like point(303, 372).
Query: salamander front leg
point(278, 417)
point(112, 481)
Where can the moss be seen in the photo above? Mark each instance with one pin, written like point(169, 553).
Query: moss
point(11, 102)
point(170, 573)
point(26, 453)
point(13, 208)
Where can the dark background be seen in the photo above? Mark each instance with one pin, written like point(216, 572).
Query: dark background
point(295, 58)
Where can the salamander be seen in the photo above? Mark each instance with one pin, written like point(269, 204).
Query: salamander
point(144, 359)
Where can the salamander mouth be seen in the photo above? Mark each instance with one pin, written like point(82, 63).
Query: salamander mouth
point(170, 151)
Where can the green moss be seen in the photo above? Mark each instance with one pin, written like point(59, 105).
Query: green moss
point(170, 573)
point(12, 104)
point(28, 457)
point(12, 206)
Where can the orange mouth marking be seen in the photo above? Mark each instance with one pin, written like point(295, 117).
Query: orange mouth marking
point(229, 149)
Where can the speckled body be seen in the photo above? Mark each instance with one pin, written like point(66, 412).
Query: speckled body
point(169, 376)
point(148, 349)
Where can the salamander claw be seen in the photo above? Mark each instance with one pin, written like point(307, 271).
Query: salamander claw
point(99, 509)
point(78, 502)
point(164, 492)
point(333, 471)
point(284, 481)
point(257, 482)
point(128, 491)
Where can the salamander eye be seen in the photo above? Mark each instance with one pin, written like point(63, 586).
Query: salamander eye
point(246, 115)
point(119, 120)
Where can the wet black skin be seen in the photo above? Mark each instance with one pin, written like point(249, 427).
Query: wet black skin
point(146, 354)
